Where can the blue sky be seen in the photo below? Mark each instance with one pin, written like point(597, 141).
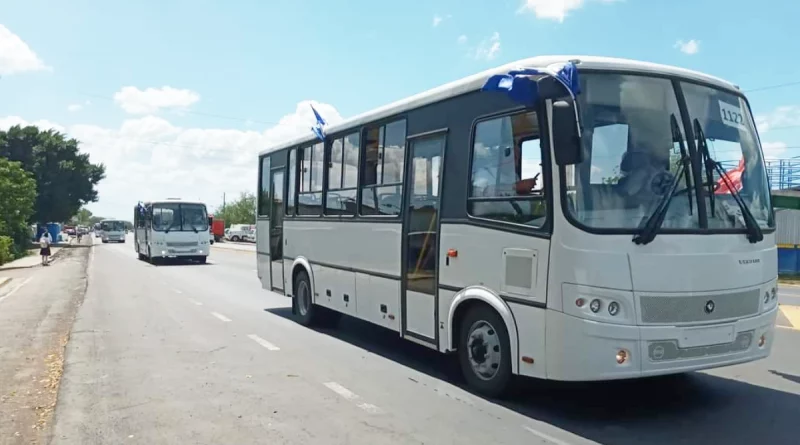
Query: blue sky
point(238, 70)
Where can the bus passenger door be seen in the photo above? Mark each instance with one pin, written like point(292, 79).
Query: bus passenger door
point(419, 279)
point(276, 230)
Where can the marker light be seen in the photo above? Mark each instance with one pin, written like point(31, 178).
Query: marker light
point(580, 302)
point(622, 356)
point(774, 292)
point(595, 305)
point(613, 308)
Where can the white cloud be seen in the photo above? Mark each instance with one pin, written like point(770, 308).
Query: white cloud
point(773, 150)
point(10, 121)
point(784, 116)
point(437, 19)
point(488, 48)
point(16, 56)
point(690, 47)
point(151, 100)
point(72, 108)
point(462, 39)
point(554, 9)
point(150, 158)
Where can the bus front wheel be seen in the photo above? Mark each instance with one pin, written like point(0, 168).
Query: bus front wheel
point(305, 311)
point(484, 352)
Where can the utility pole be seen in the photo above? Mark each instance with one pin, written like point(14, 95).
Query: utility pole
point(223, 203)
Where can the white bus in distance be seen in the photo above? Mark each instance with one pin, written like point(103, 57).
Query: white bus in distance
point(112, 230)
point(559, 218)
point(171, 228)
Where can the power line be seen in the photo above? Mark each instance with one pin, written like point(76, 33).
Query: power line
point(773, 87)
point(197, 113)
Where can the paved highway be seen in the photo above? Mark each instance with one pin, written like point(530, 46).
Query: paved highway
point(200, 354)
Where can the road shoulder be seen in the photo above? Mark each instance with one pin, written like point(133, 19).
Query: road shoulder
point(37, 311)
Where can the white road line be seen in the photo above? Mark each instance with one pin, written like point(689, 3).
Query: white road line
point(220, 316)
point(263, 342)
point(544, 436)
point(12, 291)
point(341, 390)
point(370, 408)
point(195, 302)
point(350, 395)
point(177, 291)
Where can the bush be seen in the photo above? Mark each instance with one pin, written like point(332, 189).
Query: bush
point(6, 249)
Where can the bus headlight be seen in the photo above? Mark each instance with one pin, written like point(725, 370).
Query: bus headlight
point(599, 304)
point(613, 308)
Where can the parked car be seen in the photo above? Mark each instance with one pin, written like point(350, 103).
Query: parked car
point(237, 232)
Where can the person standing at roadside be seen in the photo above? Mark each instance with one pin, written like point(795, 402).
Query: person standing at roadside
point(44, 247)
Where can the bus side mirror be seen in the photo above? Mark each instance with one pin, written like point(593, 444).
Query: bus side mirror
point(566, 134)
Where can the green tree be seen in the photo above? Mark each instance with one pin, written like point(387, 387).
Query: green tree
point(83, 217)
point(65, 177)
point(240, 211)
point(17, 198)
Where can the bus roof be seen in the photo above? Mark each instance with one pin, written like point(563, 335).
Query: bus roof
point(476, 81)
point(173, 201)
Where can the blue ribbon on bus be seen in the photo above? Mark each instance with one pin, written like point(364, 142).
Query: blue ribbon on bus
point(319, 127)
point(519, 86)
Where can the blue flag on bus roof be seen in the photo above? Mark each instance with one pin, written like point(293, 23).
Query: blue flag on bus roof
point(521, 88)
point(319, 127)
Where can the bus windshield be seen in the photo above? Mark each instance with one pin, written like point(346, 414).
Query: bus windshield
point(180, 217)
point(633, 152)
point(113, 226)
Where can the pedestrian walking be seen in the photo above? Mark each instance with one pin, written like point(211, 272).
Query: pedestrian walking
point(44, 243)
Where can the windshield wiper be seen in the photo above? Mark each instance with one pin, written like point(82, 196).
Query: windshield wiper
point(754, 232)
point(651, 225)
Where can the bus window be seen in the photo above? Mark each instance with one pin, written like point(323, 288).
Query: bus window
point(382, 174)
point(507, 183)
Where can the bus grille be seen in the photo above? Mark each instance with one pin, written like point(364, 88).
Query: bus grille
point(660, 351)
point(692, 309)
point(182, 244)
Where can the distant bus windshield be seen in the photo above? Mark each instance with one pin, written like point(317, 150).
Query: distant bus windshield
point(179, 217)
point(113, 226)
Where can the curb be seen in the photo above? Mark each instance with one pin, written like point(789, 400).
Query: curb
point(52, 259)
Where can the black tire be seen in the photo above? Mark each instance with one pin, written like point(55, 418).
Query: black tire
point(305, 311)
point(235, 238)
point(481, 328)
point(201, 259)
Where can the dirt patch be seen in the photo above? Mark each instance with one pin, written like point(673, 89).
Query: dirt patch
point(37, 321)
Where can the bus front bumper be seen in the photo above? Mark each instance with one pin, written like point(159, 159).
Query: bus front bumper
point(582, 350)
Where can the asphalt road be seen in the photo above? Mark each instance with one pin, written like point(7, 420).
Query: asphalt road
point(201, 354)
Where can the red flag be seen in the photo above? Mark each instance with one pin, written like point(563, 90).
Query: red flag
point(734, 177)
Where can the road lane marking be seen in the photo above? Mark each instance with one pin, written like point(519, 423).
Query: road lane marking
point(195, 302)
point(792, 314)
point(263, 342)
point(177, 291)
point(14, 289)
point(220, 316)
point(350, 395)
point(544, 436)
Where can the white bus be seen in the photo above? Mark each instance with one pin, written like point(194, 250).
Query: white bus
point(171, 228)
point(112, 230)
point(555, 218)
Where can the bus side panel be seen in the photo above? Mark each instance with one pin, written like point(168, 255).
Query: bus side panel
point(513, 266)
point(262, 253)
point(343, 254)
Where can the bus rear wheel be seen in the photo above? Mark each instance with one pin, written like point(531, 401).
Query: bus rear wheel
point(484, 351)
point(305, 311)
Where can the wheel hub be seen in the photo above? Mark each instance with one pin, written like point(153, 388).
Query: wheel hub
point(483, 348)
